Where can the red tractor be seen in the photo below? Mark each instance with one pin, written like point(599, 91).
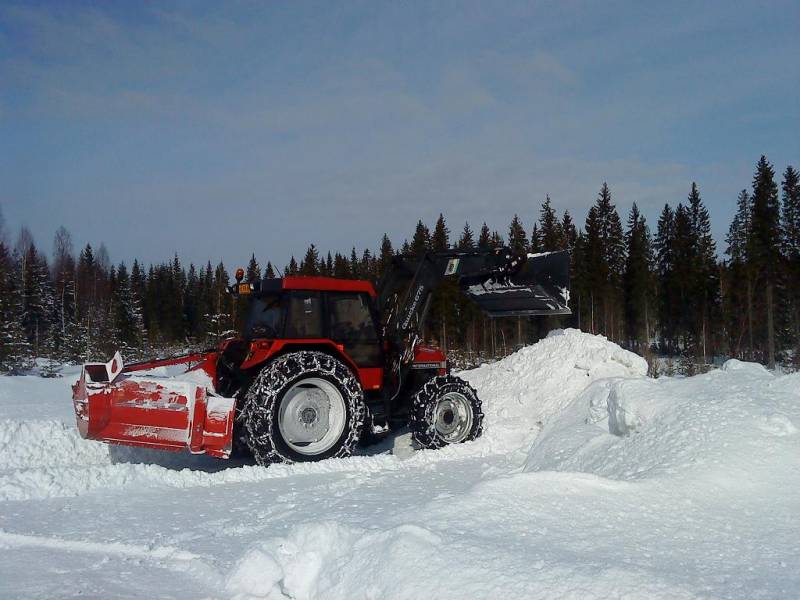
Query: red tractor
point(321, 363)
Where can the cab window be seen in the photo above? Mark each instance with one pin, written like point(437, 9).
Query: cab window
point(352, 325)
point(266, 317)
point(303, 315)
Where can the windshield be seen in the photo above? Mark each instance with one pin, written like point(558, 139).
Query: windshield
point(265, 318)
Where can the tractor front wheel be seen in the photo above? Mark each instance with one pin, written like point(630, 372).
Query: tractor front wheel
point(446, 411)
point(303, 406)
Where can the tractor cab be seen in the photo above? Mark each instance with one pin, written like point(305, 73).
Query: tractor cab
point(296, 312)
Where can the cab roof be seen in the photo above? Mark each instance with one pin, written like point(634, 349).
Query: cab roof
point(321, 284)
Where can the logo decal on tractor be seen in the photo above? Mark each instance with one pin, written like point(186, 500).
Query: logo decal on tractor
point(452, 266)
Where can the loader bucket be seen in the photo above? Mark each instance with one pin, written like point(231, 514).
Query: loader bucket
point(539, 287)
point(153, 412)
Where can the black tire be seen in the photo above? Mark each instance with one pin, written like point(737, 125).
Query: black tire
point(262, 407)
point(438, 397)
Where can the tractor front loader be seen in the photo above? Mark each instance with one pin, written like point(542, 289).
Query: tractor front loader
point(321, 364)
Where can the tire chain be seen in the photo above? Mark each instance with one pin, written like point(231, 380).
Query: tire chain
point(423, 407)
point(261, 402)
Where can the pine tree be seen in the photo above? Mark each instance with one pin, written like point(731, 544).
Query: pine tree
point(706, 283)
point(291, 268)
point(127, 318)
point(552, 235)
point(517, 238)
point(253, 271)
point(445, 298)
point(354, 264)
point(569, 231)
point(604, 253)
point(467, 239)
point(485, 237)
point(790, 246)
point(15, 351)
point(341, 267)
point(790, 215)
point(38, 305)
point(440, 240)
point(665, 266)
point(764, 251)
point(386, 255)
point(683, 278)
point(421, 242)
point(310, 263)
point(736, 284)
point(638, 281)
point(269, 272)
point(366, 266)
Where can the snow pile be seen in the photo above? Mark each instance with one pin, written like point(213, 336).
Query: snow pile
point(331, 561)
point(728, 429)
point(37, 444)
point(524, 390)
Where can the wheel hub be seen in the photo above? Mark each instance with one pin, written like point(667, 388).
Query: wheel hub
point(305, 415)
point(308, 416)
point(453, 418)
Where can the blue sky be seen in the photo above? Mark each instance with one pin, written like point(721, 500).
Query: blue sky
point(220, 129)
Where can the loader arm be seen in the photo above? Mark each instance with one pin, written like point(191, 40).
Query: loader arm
point(499, 281)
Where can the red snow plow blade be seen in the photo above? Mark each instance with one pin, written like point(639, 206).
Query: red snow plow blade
point(154, 412)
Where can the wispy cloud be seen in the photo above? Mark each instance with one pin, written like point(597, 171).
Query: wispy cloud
point(336, 122)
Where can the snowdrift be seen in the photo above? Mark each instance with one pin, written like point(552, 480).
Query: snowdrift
point(727, 430)
point(591, 481)
point(525, 390)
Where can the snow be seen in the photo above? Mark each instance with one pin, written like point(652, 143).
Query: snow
point(591, 481)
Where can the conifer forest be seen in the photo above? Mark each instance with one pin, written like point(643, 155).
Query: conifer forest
point(664, 289)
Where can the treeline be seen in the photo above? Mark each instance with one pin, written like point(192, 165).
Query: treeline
point(667, 292)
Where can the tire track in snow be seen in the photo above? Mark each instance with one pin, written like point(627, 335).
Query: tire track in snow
point(166, 557)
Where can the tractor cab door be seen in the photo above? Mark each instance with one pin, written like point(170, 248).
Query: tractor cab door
point(352, 323)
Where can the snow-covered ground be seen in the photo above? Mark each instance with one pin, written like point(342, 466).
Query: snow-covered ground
point(591, 481)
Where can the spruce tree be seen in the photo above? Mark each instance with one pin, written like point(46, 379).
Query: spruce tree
point(517, 238)
point(790, 246)
point(310, 263)
point(764, 252)
point(706, 282)
point(15, 351)
point(421, 242)
point(552, 236)
point(736, 286)
point(341, 268)
point(467, 239)
point(440, 240)
point(127, 318)
point(355, 271)
point(665, 272)
point(291, 268)
point(485, 237)
point(386, 255)
point(638, 281)
point(366, 266)
point(569, 231)
point(253, 271)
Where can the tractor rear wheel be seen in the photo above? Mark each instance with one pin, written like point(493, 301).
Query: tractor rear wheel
point(303, 406)
point(446, 411)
